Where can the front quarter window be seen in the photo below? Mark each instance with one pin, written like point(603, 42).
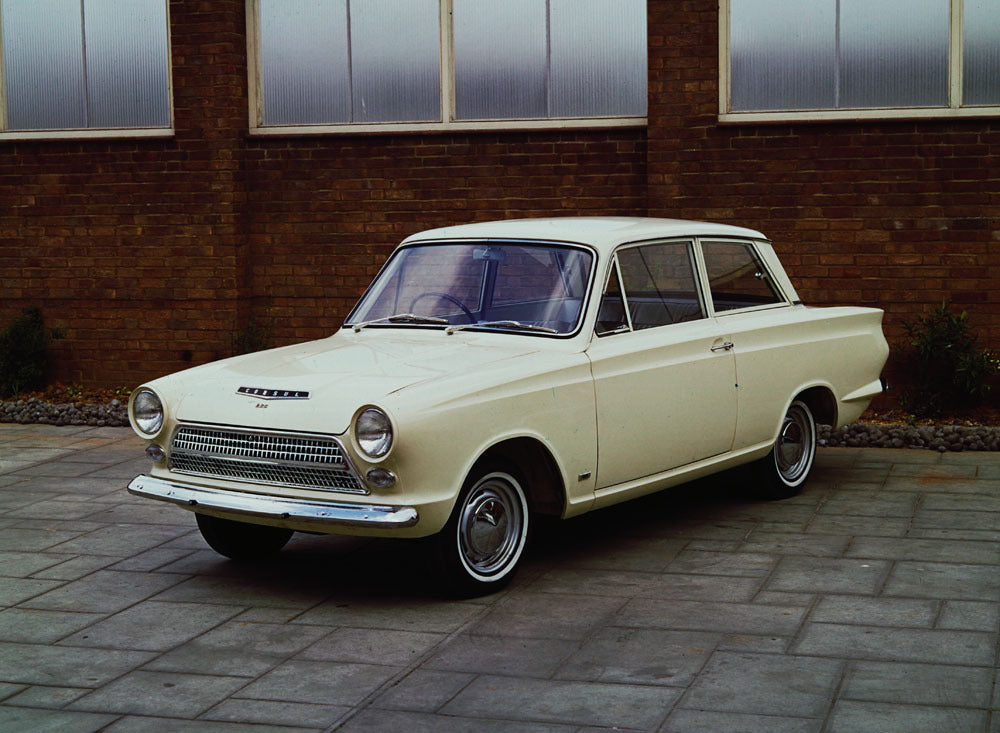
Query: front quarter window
point(510, 286)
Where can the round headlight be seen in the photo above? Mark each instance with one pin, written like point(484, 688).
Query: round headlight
point(147, 411)
point(373, 432)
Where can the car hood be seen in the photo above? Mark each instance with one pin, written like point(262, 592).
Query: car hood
point(341, 374)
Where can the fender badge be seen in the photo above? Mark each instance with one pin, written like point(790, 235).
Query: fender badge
point(273, 394)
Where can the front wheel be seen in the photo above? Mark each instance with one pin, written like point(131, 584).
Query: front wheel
point(480, 547)
point(784, 470)
point(242, 541)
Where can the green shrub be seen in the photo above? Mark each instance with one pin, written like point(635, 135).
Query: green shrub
point(947, 370)
point(24, 353)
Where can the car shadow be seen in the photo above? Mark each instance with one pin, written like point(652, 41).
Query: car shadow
point(386, 569)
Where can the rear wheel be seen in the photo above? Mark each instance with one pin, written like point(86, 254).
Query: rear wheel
point(240, 540)
point(481, 546)
point(783, 472)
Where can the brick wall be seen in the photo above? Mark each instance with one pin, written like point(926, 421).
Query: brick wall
point(133, 247)
point(153, 254)
point(326, 212)
point(897, 215)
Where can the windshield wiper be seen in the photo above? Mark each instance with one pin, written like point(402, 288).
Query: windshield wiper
point(402, 318)
point(516, 325)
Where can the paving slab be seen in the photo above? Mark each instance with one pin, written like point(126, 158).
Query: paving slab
point(738, 618)
point(239, 648)
point(641, 656)
point(956, 581)
point(149, 724)
point(502, 655)
point(890, 612)
point(37, 664)
point(161, 693)
point(863, 717)
point(379, 721)
point(320, 683)
point(869, 602)
point(918, 684)
point(699, 721)
point(553, 701)
point(276, 713)
point(765, 684)
point(844, 641)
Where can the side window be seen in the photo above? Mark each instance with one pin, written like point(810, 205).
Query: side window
point(659, 283)
point(737, 277)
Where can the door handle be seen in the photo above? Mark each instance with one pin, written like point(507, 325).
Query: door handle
point(724, 346)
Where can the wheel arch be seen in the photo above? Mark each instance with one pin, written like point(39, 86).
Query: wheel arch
point(545, 487)
point(821, 402)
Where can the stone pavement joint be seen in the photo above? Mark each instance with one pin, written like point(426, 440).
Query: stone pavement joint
point(871, 602)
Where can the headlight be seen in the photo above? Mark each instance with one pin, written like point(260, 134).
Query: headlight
point(147, 412)
point(373, 431)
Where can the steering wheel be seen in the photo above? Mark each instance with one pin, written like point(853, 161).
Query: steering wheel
point(445, 296)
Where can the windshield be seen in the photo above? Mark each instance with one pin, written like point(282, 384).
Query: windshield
point(528, 288)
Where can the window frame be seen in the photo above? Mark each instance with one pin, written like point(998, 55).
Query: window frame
point(448, 122)
point(954, 110)
point(698, 279)
point(78, 133)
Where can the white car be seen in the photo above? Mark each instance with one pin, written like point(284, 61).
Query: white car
point(498, 371)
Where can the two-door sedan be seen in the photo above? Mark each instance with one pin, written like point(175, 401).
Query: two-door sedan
point(499, 371)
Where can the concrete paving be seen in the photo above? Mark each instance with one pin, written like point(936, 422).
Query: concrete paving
point(869, 603)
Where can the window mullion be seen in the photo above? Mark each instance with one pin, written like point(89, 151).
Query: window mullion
point(621, 289)
point(955, 59)
point(837, 58)
point(3, 83)
point(253, 64)
point(548, 58)
point(725, 76)
point(445, 10)
point(83, 51)
point(350, 64)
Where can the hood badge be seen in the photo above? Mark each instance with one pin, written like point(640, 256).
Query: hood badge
point(273, 394)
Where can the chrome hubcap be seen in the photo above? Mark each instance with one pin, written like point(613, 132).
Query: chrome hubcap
point(793, 452)
point(491, 526)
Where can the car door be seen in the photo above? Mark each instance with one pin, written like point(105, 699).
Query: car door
point(747, 300)
point(664, 373)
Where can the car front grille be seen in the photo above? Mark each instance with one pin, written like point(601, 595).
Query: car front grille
point(284, 459)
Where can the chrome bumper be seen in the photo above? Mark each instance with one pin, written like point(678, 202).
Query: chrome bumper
point(301, 511)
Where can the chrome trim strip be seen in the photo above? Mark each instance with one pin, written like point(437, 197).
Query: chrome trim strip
point(301, 511)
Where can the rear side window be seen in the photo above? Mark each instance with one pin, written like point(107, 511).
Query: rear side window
point(736, 277)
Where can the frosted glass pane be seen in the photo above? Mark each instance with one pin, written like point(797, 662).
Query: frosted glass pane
point(303, 62)
point(894, 53)
point(782, 54)
point(126, 42)
point(598, 58)
point(500, 59)
point(43, 63)
point(981, 65)
point(396, 60)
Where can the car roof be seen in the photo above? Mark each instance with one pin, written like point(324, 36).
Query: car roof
point(602, 232)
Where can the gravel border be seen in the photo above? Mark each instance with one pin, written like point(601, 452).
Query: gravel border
point(35, 411)
point(941, 438)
